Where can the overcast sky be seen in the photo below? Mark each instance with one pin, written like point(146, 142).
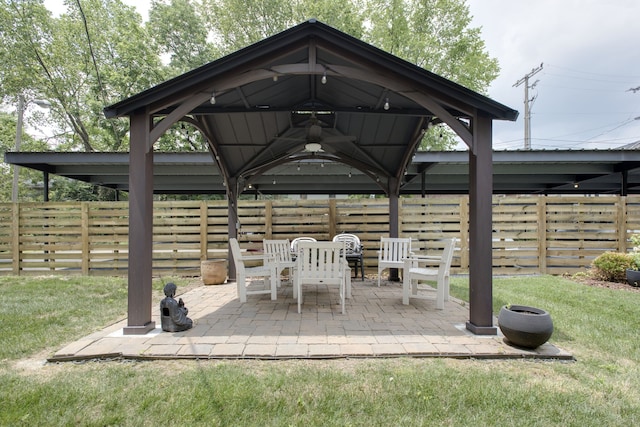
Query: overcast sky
point(590, 51)
point(591, 55)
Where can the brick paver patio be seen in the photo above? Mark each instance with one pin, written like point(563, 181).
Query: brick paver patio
point(376, 324)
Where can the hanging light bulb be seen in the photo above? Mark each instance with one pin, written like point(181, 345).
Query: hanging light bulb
point(323, 80)
point(349, 174)
point(275, 77)
point(213, 97)
point(386, 104)
point(274, 182)
point(298, 166)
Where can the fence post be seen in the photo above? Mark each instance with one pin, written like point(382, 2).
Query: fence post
point(15, 238)
point(268, 219)
point(204, 231)
point(84, 215)
point(542, 233)
point(333, 218)
point(622, 224)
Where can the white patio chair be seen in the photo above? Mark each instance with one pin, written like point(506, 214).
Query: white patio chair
point(294, 243)
point(414, 273)
point(280, 250)
point(267, 271)
point(322, 263)
point(353, 249)
point(393, 251)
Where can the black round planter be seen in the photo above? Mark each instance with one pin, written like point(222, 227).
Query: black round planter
point(525, 326)
point(633, 277)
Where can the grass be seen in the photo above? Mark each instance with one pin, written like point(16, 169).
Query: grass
point(597, 325)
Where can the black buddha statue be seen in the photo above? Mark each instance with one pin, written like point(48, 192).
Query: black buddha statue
point(173, 314)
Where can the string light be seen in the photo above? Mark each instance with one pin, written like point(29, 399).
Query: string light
point(213, 97)
point(323, 80)
point(386, 104)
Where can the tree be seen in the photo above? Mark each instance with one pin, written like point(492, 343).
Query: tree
point(181, 33)
point(435, 35)
point(94, 55)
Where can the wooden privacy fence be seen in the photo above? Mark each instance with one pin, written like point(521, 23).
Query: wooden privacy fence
point(531, 234)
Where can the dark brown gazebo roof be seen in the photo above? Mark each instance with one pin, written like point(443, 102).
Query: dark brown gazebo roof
point(313, 83)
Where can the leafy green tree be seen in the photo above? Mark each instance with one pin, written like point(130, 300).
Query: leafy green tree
point(95, 54)
point(181, 33)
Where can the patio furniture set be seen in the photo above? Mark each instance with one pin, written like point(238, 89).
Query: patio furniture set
point(311, 262)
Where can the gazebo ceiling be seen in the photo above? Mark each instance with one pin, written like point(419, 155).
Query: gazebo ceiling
point(260, 107)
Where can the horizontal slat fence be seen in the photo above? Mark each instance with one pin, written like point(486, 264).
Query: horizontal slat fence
point(531, 234)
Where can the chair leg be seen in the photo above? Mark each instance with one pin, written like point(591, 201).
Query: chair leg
point(379, 274)
point(446, 289)
point(440, 296)
point(406, 285)
point(273, 282)
point(242, 290)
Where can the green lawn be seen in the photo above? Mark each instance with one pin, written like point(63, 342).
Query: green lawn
point(599, 326)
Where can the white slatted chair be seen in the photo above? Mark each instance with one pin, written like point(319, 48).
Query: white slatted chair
point(393, 251)
point(294, 243)
point(280, 250)
point(414, 272)
point(322, 263)
point(267, 271)
point(354, 250)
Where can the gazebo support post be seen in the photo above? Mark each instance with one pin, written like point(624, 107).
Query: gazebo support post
point(140, 226)
point(480, 229)
point(232, 227)
point(394, 229)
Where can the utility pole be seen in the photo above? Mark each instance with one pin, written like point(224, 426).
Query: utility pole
point(22, 104)
point(527, 104)
point(16, 168)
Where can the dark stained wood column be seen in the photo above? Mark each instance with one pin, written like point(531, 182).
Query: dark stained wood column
point(140, 226)
point(480, 229)
point(232, 203)
point(394, 221)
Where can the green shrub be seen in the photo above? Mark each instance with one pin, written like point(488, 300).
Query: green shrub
point(612, 266)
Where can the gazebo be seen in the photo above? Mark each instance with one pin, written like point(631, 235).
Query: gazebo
point(310, 93)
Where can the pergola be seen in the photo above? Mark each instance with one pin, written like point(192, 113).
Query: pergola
point(310, 94)
point(612, 171)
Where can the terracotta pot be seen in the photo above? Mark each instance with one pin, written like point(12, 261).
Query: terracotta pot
point(525, 326)
point(213, 271)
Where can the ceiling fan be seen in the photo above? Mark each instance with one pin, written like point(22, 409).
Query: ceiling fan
point(318, 134)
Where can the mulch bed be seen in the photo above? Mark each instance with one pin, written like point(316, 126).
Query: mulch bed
point(586, 280)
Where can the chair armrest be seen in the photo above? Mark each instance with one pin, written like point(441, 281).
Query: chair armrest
point(426, 257)
point(416, 260)
point(264, 257)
